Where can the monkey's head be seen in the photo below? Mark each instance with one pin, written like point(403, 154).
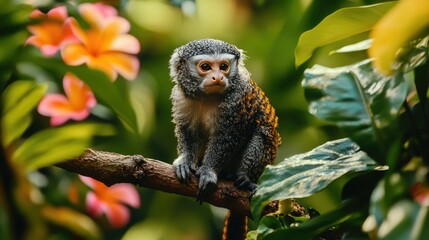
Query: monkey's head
point(208, 67)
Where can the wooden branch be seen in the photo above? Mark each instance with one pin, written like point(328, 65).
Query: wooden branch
point(111, 168)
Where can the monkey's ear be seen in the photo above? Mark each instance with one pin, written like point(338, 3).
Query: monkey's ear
point(174, 64)
point(243, 56)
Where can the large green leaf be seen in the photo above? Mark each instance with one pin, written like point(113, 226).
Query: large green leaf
point(305, 174)
point(358, 100)
point(54, 145)
point(344, 23)
point(18, 100)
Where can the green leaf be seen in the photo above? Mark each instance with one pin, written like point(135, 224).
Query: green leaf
point(356, 47)
point(340, 25)
point(405, 220)
point(19, 99)
point(114, 94)
point(305, 174)
point(54, 145)
point(358, 100)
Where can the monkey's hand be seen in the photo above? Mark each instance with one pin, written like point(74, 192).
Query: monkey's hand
point(207, 184)
point(184, 168)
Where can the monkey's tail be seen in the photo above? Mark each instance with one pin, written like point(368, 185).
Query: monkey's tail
point(234, 227)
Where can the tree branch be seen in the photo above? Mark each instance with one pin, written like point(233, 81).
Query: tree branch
point(111, 168)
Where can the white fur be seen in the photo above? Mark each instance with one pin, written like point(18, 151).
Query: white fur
point(196, 112)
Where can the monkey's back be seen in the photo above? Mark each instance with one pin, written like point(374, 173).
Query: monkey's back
point(257, 111)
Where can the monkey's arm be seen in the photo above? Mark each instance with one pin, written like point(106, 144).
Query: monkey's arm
point(221, 147)
point(185, 163)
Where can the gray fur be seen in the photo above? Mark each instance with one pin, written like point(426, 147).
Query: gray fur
point(231, 136)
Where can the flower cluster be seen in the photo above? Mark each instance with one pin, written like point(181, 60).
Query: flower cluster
point(105, 45)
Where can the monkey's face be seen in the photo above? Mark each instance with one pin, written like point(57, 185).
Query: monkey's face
point(212, 72)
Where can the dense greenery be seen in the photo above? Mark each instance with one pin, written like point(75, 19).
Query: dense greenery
point(326, 67)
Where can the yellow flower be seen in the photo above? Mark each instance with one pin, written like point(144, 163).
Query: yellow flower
point(105, 46)
point(400, 25)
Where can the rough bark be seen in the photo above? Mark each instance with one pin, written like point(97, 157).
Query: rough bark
point(111, 168)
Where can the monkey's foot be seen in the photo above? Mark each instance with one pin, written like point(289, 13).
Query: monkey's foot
point(244, 183)
point(207, 184)
point(183, 169)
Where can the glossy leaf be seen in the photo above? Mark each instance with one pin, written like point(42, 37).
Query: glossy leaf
point(358, 100)
point(54, 145)
point(78, 223)
point(344, 23)
point(19, 99)
point(305, 174)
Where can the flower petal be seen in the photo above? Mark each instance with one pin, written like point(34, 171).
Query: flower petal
point(126, 65)
point(92, 183)
point(79, 94)
point(114, 27)
point(75, 54)
point(93, 204)
point(54, 105)
point(125, 193)
point(58, 13)
point(117, 214)
point(104, 66)
point(58, 120)
point(125, 43)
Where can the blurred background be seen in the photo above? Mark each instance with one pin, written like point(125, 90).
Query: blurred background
point(268, 32)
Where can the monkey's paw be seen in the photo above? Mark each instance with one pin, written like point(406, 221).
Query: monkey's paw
point(243, 182)
point(207, 184)
point(184, 169)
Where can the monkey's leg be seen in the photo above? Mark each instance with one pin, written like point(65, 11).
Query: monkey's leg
point(185, 163)
point(252, 163)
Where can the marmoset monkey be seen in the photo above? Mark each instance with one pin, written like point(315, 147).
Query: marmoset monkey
point(225, 125)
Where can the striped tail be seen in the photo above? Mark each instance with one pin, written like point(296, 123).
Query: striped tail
point(234, 227)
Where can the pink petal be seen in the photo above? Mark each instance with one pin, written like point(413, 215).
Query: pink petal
point(117, 214)
point(49, 50)
point(90, 182)
point(93, 205)
point(105, 10)
point(58, 12)
point(53, 105)
point(36, 13)
point(58, 120)
point(125, 193)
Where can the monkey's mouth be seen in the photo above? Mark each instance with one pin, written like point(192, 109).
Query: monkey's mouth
point(215, 88)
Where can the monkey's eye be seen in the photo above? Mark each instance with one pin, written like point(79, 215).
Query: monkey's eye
point(224, 67)
point(205, 67)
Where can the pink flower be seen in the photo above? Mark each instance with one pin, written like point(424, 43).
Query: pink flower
point(76, 104)
point(105, 46)
point(111, 200)
point(52, 32)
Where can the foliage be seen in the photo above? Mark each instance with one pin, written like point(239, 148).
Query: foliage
point(362, 107)
point(378, 112)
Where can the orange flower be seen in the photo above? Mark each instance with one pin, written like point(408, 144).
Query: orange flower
point(53, 31)
point(75, 105)
point(111, 200)
point(105, 45)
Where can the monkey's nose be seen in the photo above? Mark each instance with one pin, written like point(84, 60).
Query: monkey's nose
point(217, 78)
